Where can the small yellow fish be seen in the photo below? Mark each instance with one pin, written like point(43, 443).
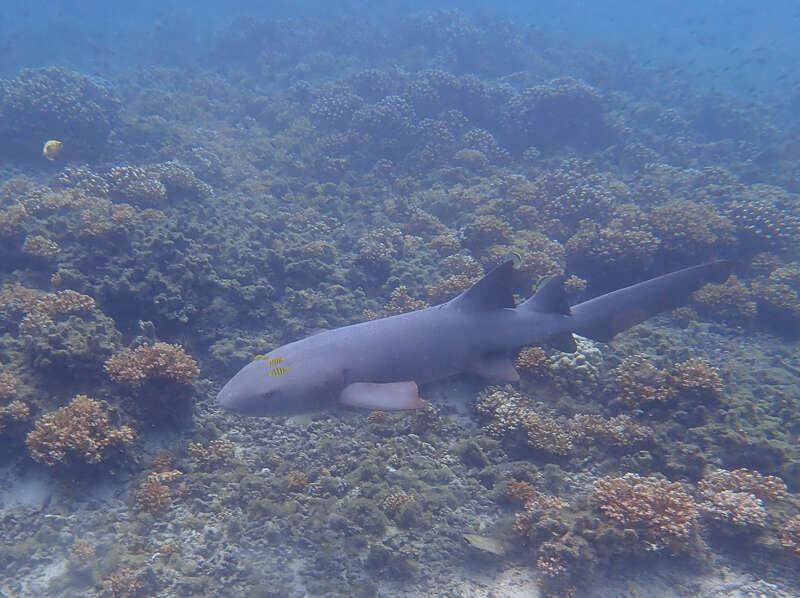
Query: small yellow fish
point(52, 148)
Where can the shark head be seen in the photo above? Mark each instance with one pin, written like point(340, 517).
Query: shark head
point(278, 385)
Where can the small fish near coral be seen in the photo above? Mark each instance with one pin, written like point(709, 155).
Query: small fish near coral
point(378, 364)
point(52, 148)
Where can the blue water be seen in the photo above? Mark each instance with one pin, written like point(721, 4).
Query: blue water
point(228, 177)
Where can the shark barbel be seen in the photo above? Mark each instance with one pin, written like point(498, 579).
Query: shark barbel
point(378, 364)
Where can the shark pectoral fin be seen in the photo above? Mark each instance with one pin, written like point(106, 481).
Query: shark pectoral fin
point(495, 367)
point(390, 396)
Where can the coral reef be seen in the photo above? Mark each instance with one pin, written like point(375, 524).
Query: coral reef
point(731, 301)
point(154, 495)
point(618, 245)
point(640, 382)
point(560, 112)
point(211, 454)
point(159, 360)
point(662, 512)
point(82, 553)
point(8, 385)
point(698, 377)
point(534, 362)
point(39, 246)
point(64, 329)
point(395, 502)
point(297, 481)
point(510, 415)
point(58, 103)
point(737, 498)
point(579, 372)
point(79, 432)
point(366, 169)
point(14, 412)
point(790, 534)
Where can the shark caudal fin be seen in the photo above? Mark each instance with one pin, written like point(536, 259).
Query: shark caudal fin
point(607, 315)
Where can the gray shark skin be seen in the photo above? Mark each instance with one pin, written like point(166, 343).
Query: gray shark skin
point(378, 364)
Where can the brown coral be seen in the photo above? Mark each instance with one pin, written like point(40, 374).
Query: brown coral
point(776, 295)
point(155, 494)
point(81, 431)
point(82, 553)
point(399, 302)
point(16, 411)
point(697, 376)
point(8, 385)
point(730, 301)
point(486, 230)
point(64, 302)
point(545, 433)
point(16, 299)
point(40, 246)
point(534, 362)
point(739, 508)
point(213, 453)
point(520, 491)
point(743, 480)
point(297, 481)
point(615, 245)
point(639, 381)
point(159, 360)
point(790, 534)
point(620, 430)
point(689, 228)
point(395, 502)
point(125, 583)
point(509, 412)
point(660, 510)
point(449, 287)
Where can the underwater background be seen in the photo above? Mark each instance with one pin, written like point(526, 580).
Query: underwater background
point(184, 186)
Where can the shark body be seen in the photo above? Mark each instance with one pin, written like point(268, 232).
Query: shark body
point(378, 364)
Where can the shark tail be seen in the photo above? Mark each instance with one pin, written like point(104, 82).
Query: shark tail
point(605, 316)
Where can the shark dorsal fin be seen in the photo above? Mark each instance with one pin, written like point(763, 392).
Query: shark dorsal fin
point(550, 298)
point(493, 291)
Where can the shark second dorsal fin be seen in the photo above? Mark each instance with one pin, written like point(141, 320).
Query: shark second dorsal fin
point(550, 298)
point(493, 291)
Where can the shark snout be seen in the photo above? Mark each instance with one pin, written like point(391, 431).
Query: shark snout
point(225, 398)
point(244, 393)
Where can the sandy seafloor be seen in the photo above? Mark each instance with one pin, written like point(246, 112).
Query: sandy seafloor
point(293, 176)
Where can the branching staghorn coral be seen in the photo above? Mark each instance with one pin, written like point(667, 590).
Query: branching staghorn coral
point(790, 534)
point(213, 453)
point(510, 413)
point(81, 431)
point(730, 301)
point(661, 511)
point(159, 360)
point(155, 495)
point(738, 496)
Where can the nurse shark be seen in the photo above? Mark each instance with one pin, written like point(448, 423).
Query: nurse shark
point(379, 364)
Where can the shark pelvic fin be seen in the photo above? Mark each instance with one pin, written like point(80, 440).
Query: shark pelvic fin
point(391, 396)
point(493, 291)
point(495, 367)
